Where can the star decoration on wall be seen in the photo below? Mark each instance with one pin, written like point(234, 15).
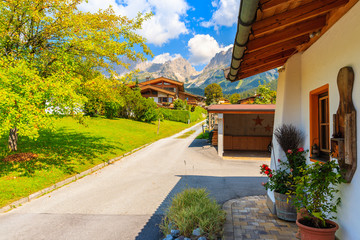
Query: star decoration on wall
point(268, 128)
point(258, 121)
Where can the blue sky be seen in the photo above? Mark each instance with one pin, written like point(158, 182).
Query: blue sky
point(193, 29)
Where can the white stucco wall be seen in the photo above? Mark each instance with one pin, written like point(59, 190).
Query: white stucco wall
point(319, 65)
point(156, 99)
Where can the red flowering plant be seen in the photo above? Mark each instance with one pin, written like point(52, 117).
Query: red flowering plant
point(281, 180)
point(297, 160)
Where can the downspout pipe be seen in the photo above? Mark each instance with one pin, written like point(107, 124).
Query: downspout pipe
point(247, 16)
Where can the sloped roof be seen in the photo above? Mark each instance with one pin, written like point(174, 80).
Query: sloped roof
point(156, 89)
point(193, 95)
point(280, 29)
point(163, 79)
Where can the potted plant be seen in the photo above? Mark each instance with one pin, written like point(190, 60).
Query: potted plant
point(281, 181)
point(316, 191)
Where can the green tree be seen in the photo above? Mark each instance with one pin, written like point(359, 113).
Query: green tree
point(48, 51)
point(234, 98)
point(180, 104)
point(213, 93)
point(265, 95)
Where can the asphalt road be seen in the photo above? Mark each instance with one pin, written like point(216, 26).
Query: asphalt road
point(127, 199)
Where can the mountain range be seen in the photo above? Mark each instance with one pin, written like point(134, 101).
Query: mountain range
point(195, 82)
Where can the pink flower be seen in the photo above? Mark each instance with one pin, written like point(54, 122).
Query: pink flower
point(263, 183)
point(270, 175)
point(289, 151)
point(291, 170)
point(300, 149)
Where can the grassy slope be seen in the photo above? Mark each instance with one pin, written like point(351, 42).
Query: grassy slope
point(71, 149)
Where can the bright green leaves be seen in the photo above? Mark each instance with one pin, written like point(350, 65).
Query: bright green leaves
point(50, 54)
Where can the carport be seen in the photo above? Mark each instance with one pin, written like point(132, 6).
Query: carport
point(242, 127)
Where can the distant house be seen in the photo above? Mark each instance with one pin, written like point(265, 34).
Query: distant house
point(248, 100)
point(164, 91)
point(318, 45)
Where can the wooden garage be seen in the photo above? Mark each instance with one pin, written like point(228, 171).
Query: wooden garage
point(243, 126)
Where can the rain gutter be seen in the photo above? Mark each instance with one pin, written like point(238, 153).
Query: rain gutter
point(247, 16)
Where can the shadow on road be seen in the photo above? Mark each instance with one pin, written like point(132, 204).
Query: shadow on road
point(220, 188)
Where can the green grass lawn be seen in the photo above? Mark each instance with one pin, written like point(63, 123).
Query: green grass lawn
point(204, 135)
point(187, 134)
point(71, 149)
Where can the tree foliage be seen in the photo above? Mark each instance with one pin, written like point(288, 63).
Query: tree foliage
point(180, 104)
point(213, 93)
point(234, 98)
point(265, 95)
point(50, 53)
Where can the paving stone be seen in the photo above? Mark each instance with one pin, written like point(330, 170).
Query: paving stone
point(250, 218)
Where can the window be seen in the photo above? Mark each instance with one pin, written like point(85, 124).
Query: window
point(320, 122)
point(163, 99)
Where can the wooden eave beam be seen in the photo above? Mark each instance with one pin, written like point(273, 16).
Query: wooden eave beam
point(260, 69)
point(333, 18)
point(287, 33)
point(246, 66)
point(296, 15)
point(267, 4)
point(279, 47)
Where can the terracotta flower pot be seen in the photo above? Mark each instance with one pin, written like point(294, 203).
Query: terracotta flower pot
point(311, 233)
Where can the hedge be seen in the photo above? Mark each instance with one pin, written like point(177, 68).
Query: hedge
point(183, 115)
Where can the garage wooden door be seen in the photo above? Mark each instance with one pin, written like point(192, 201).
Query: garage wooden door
point(254, 143)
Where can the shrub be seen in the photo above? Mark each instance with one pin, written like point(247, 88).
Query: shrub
point(197, 114)
point(317, 191)
point(288, 137)
point(191, 209)
point(183, 115)
point(180, 104)
point(176, 115)
point(145, 110)
point(111, 110)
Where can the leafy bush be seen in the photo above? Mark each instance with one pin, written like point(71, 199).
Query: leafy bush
point(145, 110)
point(191, 209)
point(197, 114)
point(176, 115)
point(204, 135)
point(180, 104)
point(111, 110)
point(183, 115)
point(317, 191)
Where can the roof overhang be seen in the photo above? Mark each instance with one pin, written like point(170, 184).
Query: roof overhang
point(242, 108)
point(163, 79)
point(269, 32)
point(146, 87)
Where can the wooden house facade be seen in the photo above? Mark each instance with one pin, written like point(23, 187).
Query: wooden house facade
point(164, 91)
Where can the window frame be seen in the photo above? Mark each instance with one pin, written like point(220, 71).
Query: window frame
point(315, 96)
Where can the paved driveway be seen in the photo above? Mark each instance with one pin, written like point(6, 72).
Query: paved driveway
point(127, 199)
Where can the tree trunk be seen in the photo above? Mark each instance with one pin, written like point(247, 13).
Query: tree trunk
point(13, 137)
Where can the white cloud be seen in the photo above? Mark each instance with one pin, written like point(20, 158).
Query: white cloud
point(166, 23)
point(204, 47)
point(162, 58)
point(225, 15)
